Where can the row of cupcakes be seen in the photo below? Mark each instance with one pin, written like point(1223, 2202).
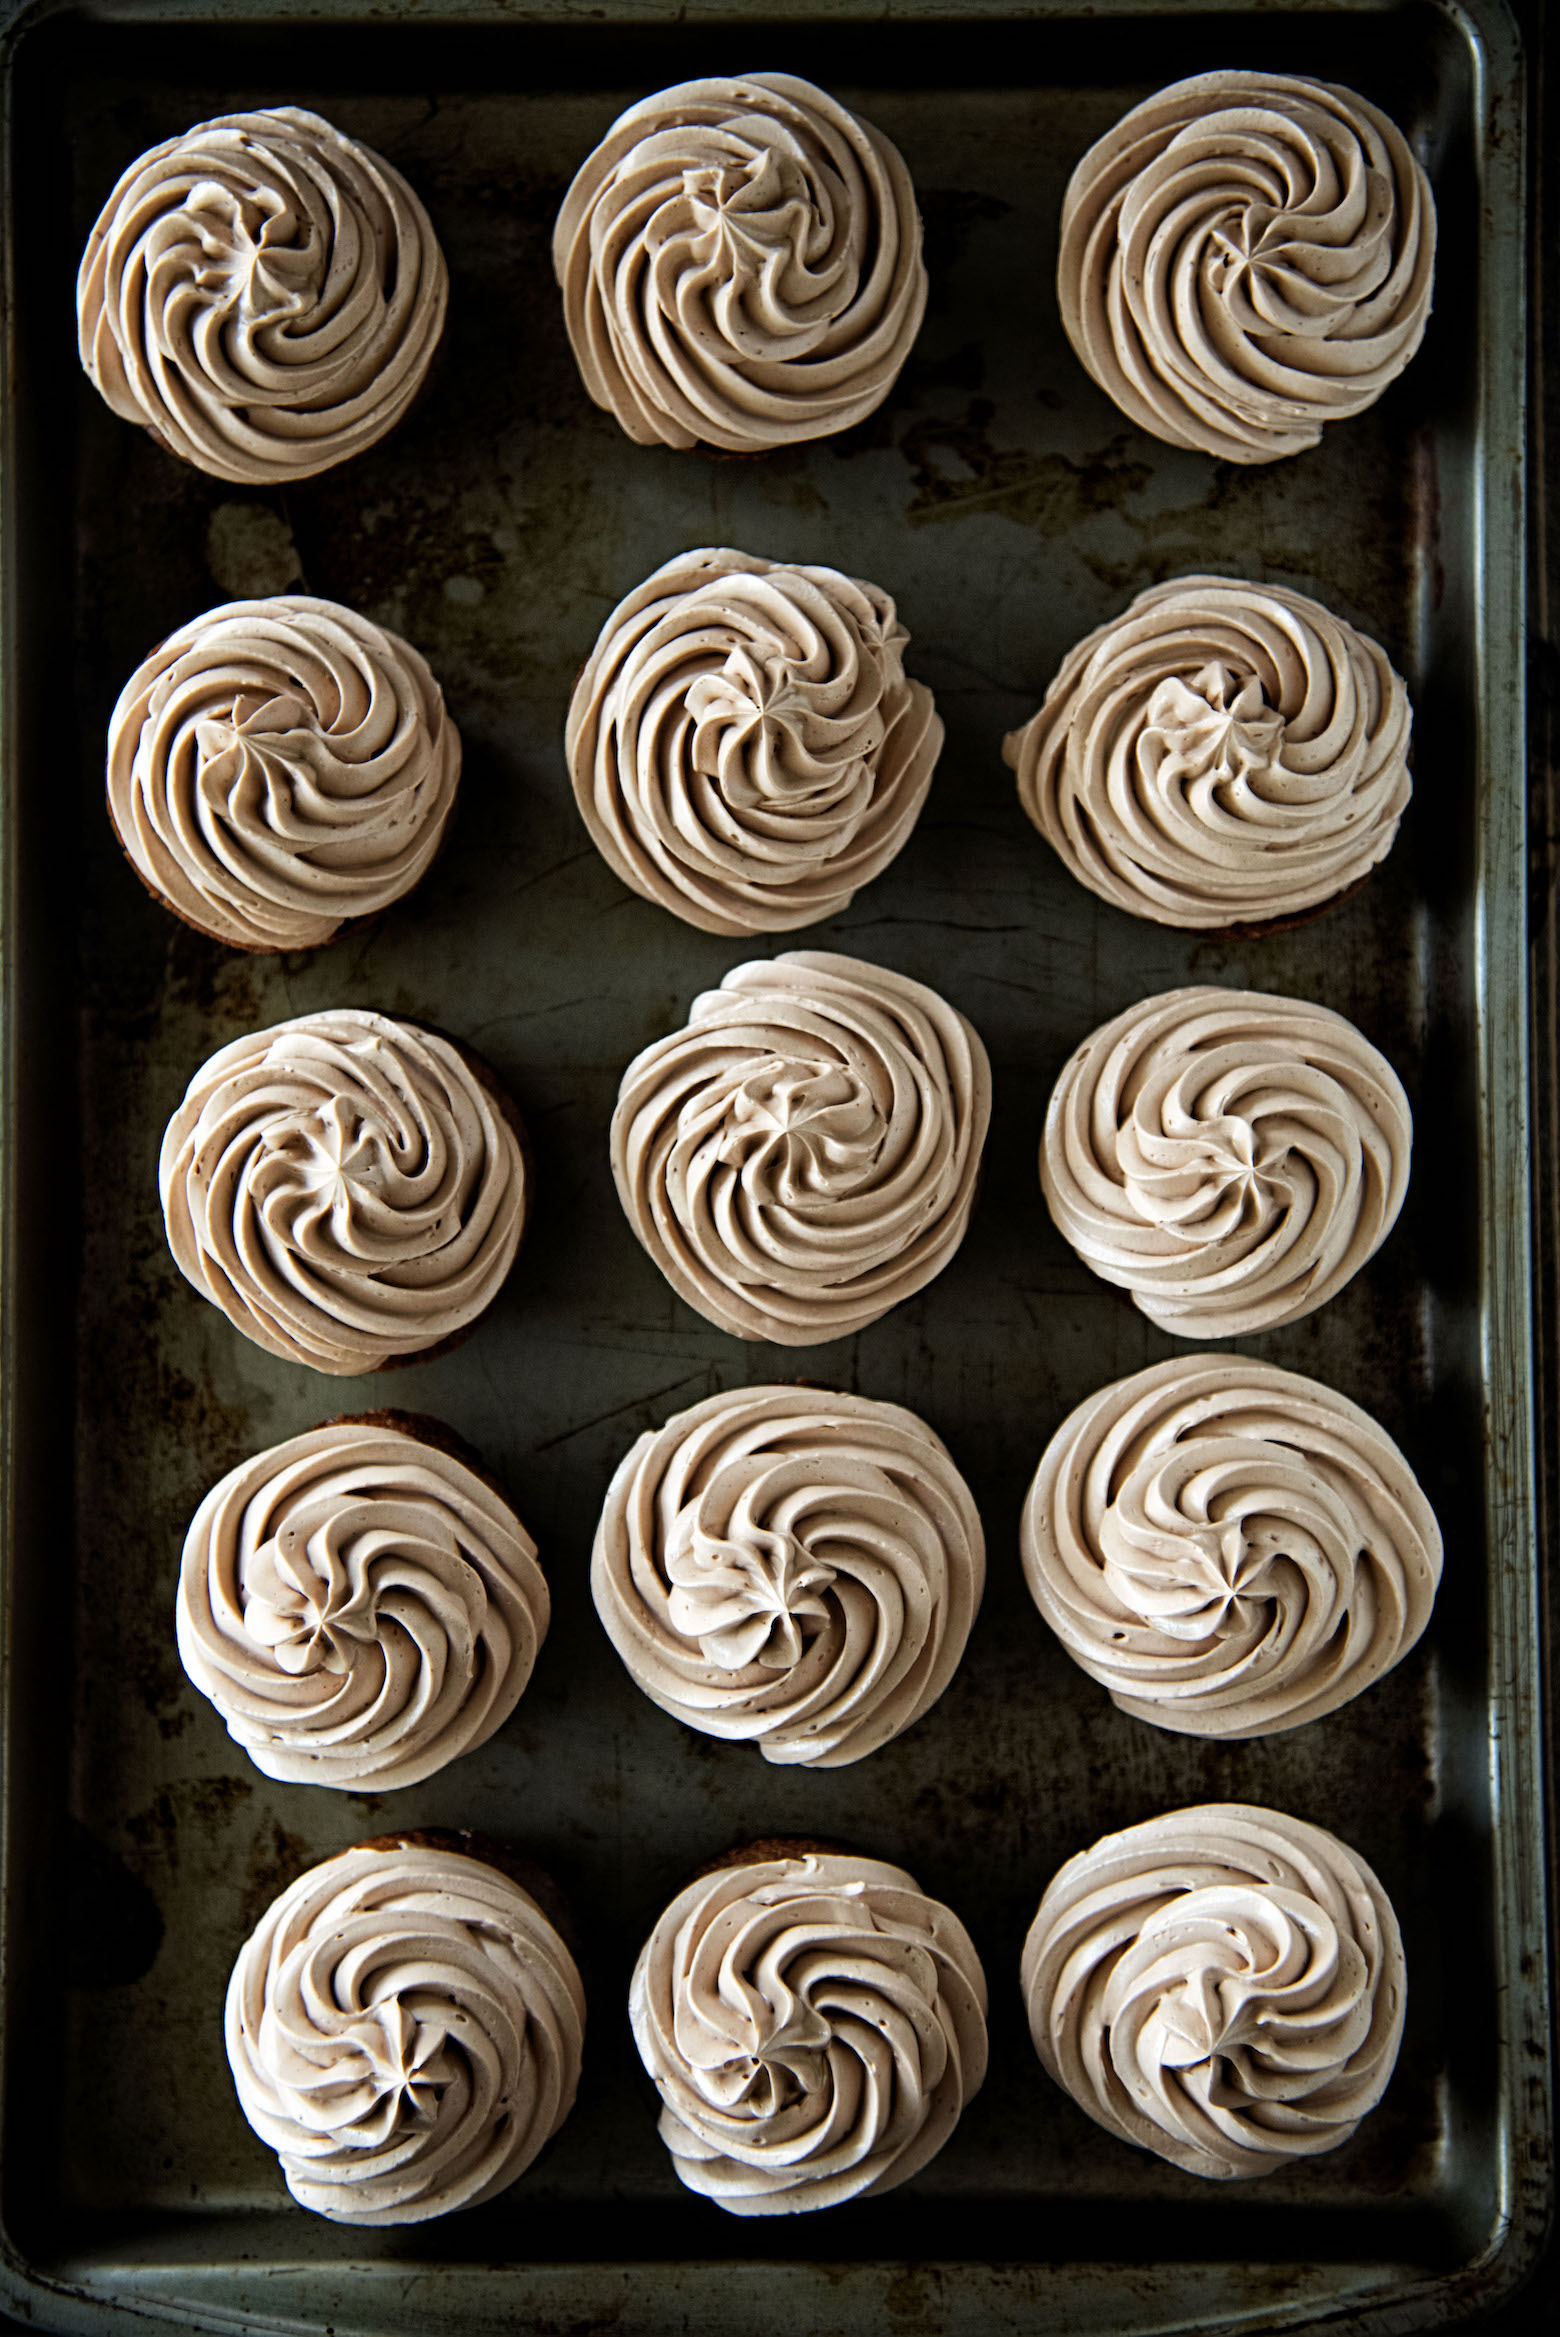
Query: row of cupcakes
point(1224, 1986)
point(1244, 258)
point(747, 750)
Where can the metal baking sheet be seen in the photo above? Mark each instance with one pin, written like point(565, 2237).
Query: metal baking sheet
point(1007, 506)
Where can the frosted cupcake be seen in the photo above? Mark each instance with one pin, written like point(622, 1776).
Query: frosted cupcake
point(263, 294)
point(814, 2025)
point(279, 768)
point(404, 2028)
point(741, 266)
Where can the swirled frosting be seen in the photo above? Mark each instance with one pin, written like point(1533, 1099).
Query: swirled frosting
point(360, 1606)
point(1228, 1548)
point(404, 2029)
point(262, 293)
point(1223, 1986)
point(804, 1154)
point(1220, 754)
point(741, 265)
point(1245, 257)
point(814, 2026)
point(278, 766)
point(344, 1187)
point(744, 744)
point(797, 1569)
point(1228, 1157)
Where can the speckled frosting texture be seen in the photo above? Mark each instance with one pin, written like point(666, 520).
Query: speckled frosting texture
point(1223, 1986)
point(792, 1567)
point(814, 2026)
point(741, 265)
point(360, 1606)
point(277, 767)
point(344, 1187)
point(262, 293)
point(1246, 257)
point(1220, 754)
point(1229, 1157)
point(1228, 1548)
point(804, 1154)
point(744, 744)
point(404, 2029)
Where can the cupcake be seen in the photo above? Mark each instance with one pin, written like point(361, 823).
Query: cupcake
point(360, 1604)
point(263, 294)
point(350, 1190)
point(792, 1567)
point(803, 1155)
point(1229, 1158)
point(1223, 1986)
point(1246, 257)
point(1228, 1548)
point(814, 2025)
point(404, 2028)
point(744, 744)
point(1221, 756)
point(741, 266)
point(278, 768)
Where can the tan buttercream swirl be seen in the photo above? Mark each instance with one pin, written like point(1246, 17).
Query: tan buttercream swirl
point(1230, 1158)
point(344, 1188)
point(1246, 257)
point(744, 744)
point(360, 1607)
point(804, 1155)
point(741, 265)
point(1220, 754)
point(279, 766)
point(404, 2028)
point(794, 1568)
point(264, 294)
point(814, 2026)
point(1223, 1986)
point(1228, 1548)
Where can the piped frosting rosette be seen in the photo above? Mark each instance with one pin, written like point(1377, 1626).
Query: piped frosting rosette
point(804, 1154)
point(1246, 257)
point(793, 1568)
point(1230, 1158)
point(277, 767)
point(360, 1605)
point(1223, 1986)
point(345, 1187)
point(1228, 1548)
point(741, 265)
point(814, 2026)
point(744, 744)
point(1220, 754)
point(263, 294)
point(404, 2028)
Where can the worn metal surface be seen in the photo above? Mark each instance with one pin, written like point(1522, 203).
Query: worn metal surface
point(1008, 507)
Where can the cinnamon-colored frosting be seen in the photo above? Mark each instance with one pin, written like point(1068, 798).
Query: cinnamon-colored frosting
point(804, 1154)
point(1228, 1548)
point(1220, 754)
point(360, 1607)
point(264, 294)
point(404, 2028)
point(744, 744)
point(814, 2027)
point(793, 1568)
point(1246, 257)
point(344, 1188)
point(1223, 1986)
point(278, 766)
point(741, 265)
point(1231, 1158)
